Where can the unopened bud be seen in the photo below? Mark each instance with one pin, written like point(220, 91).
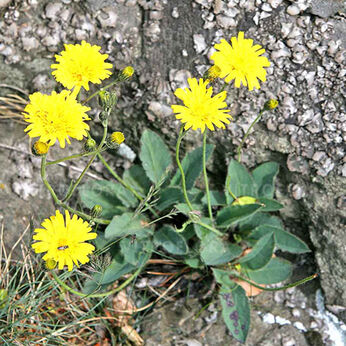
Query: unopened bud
point(117, 137)
point(50, 264)
point(107, 100)
point(244, 200)
point(103, 116)
point(90, 145)
point(271, 104)
point(126, 73)
point(40, 148)
point(96, 210)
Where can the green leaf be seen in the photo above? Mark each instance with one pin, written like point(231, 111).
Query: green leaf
point(193, 262)
point(155, 156)
point(241, 182)
point(216, 198)
point(169, 197)
point(126, 197)
point(192, 166)
point(171, 241)
point(104, 193)
point(223, 278)
point(259, 219)
point(236, 213)
point(126, 224)
point(201, 231)
point(270, 204)
point(136, 178)
point(215, 251)
point(260, 254)
point(236, 312)
point(285, 241)
point(134, 250)
point(275, 271)
point(264, 176)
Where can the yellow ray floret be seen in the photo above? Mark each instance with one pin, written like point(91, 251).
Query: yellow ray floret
point(56, 117)
point(80, 64)
point(64, 240)
point(241, 61)
point(201, 109)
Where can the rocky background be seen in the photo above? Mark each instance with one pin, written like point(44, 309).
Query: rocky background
point(168, 41)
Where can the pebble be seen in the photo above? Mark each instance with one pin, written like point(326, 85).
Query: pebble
point(52, 9)
point(175, 13)
point(108, 18)
point(4, 3)
point(199, 43)
point(275, 3)
point(297, 192)
point(293, 10)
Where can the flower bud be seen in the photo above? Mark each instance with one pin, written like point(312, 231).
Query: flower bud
point(50, 264)
point(40, 148)
point(212, 73)
point(244, 200)
point(103, 116)
point(90, 145)
point(271, 104)
point(117, 137)
point(96, 210)
point(3, 298)
point(107, 100)
point(126, 73)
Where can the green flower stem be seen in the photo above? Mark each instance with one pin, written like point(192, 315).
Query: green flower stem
point(96, 92)
point(69, 194)
point(294, 284)
point(97, 295)
point(209, 227)
point(60, 203)
point(123, 182)
point(240, 146)
point(75, 156)
point(205, 175)
point(183, 182)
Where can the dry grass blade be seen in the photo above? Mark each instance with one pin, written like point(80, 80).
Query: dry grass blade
point(12, 106)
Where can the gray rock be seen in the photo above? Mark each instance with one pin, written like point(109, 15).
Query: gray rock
point(326, 8)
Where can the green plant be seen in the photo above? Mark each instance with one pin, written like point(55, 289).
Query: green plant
point(229, 234)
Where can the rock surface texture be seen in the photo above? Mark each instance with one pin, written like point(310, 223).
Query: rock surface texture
point(169, 41)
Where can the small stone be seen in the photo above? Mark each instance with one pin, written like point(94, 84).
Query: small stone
point(297, 192)
point(297, 163)
point(175, 13)
point(184, 52)
point(275, 3)
point(108, 18)
point(300, 326)
point(52, 10)
point(4, 3)
point(29, 43)
point(199, 43)
point(226, 22)
point(296, 312)
point(288, 341)
point(293, 10)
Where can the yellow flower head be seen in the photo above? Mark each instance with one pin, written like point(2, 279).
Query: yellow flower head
point(271, 104)
point(127, 72)
point(213, 73)
point(64, 241)
point(241, 61)
point(80, 64)
point(117, 137)
point(56, 117)
point(200, 108)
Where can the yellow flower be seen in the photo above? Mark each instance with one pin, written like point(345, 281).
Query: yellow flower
point(127, 73)
point(56, 117)
point(200, 108)
point(213, 73)
point(241, 61)
point(64, 241)
point(80, 64)
point(271, 104)
point(117, 137)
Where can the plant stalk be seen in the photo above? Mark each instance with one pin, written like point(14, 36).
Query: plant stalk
point(206, 176)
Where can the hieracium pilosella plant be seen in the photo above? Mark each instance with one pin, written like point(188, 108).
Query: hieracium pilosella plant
point(229, 234)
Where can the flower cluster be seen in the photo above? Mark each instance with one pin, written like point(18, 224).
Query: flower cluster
point(240, 61)
point(60, 116)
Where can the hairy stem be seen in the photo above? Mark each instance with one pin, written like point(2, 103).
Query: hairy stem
point(205, 175)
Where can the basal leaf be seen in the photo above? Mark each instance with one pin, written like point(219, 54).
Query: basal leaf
point(264, 177)
point(155, 156)
point(258, 219)
point(104, 193)
point(135, 176)
point(169, 197)
point(260, 254)
point(284, 240)
point(215, 251)
point(235, 312)
point(171, 241)
point(236, 213)
point(127, 224)
point(240, 181)
point(216, 198)
point(275, 271)
point(192, 166)
point(269, 204)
